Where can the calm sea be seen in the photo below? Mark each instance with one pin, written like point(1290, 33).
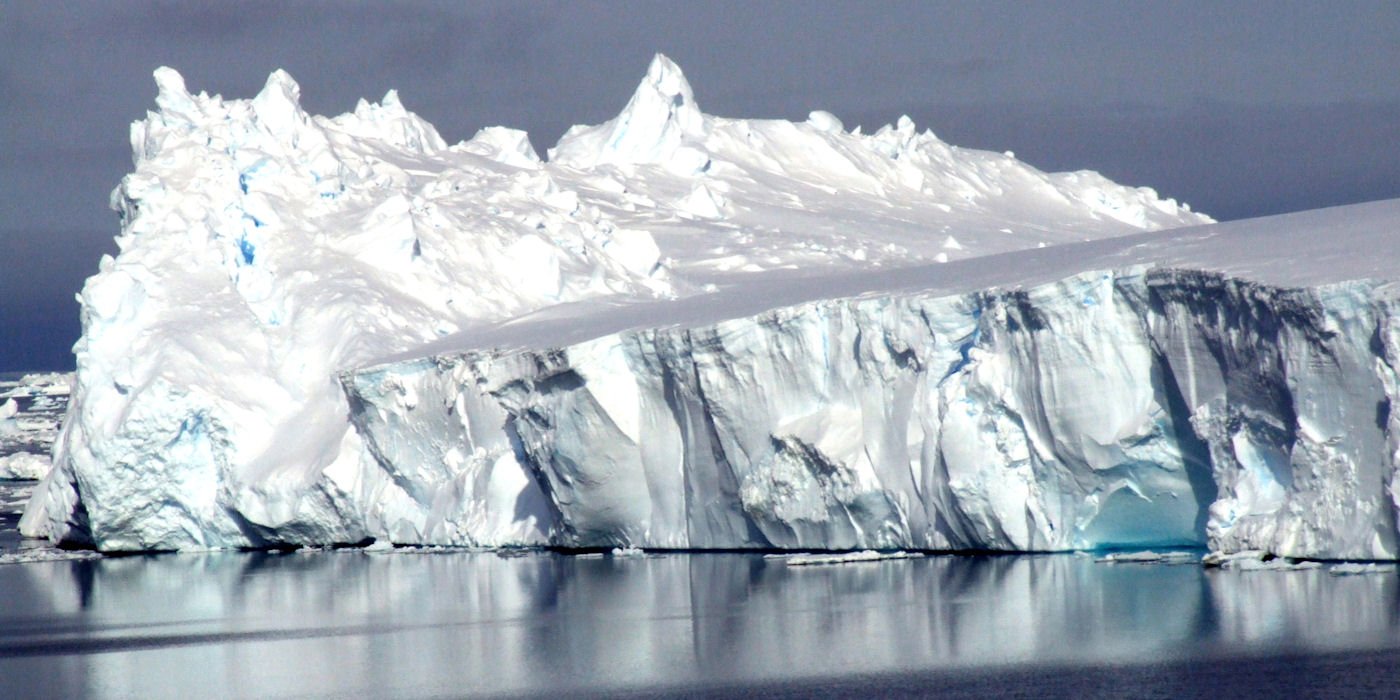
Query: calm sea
point(412, 623)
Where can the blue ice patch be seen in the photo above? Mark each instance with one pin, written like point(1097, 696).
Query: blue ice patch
point(247, 249)
point(192, 426)
point(965, 350)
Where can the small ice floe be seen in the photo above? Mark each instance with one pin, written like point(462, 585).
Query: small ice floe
point(845, 557)
point(43, 554)
point(1256, 560)
point(1273, 565)
point(24, 466)
point(380, 546)
point(1354, 569)
point(437, 549)
point(628, 553)
point(1149, 557)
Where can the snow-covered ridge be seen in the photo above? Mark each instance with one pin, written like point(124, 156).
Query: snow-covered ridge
point(265, 252)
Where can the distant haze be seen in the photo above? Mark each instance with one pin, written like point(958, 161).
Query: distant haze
point(1241, 109)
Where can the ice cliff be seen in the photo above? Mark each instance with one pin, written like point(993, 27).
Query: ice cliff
point(1137, 406)
point(683, 330)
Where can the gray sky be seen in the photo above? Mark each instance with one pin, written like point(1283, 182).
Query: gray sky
point(1241, 109)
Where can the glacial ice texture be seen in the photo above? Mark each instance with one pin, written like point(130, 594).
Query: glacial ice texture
point(1141, 407)
point(684, 330)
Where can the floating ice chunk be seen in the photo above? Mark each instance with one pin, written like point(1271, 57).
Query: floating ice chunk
point(41, 383)
point(1279, 564)
point(24, 465)
point(46, 554)
point(1218, 558)
point(1256, 560)
point(1354, 569)
point(1149, 557)
point(627, 553)
point(846, 557)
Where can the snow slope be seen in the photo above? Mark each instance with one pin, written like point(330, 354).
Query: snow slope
point(267, 256)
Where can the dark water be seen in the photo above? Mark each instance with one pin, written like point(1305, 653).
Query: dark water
point(413, 624)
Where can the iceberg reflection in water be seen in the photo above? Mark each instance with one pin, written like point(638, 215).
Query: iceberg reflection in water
point(409, 623)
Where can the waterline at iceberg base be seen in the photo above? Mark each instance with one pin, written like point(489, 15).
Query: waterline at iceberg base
point(686, 331)
point(1141, 408)
point(543, 625)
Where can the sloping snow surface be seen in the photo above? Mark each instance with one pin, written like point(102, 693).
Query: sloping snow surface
point(690, 331)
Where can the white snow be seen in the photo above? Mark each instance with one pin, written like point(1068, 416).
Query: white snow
point(684, 330)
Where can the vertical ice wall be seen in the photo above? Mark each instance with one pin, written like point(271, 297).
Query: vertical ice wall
point(1291, 389)
point(1142, 407)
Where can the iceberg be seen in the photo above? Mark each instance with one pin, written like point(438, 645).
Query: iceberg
point(688, 331)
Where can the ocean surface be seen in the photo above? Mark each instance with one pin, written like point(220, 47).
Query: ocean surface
point(421, 623)
point(428, 623)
